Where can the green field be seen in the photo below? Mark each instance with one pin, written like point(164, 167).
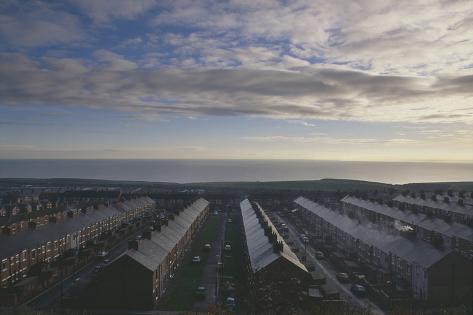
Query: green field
point(181, 296)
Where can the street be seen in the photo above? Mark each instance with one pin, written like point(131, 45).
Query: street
point(330, 273)
point(209, 277)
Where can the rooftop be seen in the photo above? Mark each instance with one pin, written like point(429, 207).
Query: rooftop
point(260, 249)
point(417, 219)
point(451, 206)
point(12, 244)
point(412, 251)
point(152, 252)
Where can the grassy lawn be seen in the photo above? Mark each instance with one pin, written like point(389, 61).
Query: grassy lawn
point(234, 264)
point(181, 296)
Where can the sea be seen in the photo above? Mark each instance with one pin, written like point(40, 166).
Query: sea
point(190, 171)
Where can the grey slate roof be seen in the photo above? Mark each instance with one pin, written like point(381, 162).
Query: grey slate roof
point(13, 244)
point(439, 204)
point(411, 251)
point(152, 252)
point(260, 249)
point(432, 224)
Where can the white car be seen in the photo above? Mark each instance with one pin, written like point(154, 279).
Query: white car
point(228, 247)
point(196, 259)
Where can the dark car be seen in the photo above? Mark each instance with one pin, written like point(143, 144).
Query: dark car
point(358, 290)
point(358, 277)
point(343, 277)
point(319, 255)
point(201, 291)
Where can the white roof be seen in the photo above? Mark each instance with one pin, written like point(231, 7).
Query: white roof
point(152, 252)
point(432, 224)
point(411, 251)
point(452, 206)
point(260, 249)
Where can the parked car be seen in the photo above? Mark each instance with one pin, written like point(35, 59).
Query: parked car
point(96, 270)
point(343, 277)
point(358, 277)
point(196, 259)
point(207, 247)
point(228, 247)
point(102, 254)
point(358, 290)
point(201, 291)
point(230, 303)
point(319, 255)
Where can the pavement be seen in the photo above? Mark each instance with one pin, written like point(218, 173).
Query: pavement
point(52, 295)
point(209, 277)
point(330, 273)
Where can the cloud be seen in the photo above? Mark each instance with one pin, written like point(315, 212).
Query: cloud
point(38, 25)
point(326, 139)
point(388, 37)
point(112, 81)
point(113, 62)
point(102, 11)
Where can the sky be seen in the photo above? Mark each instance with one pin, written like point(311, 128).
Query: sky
point(246, 79)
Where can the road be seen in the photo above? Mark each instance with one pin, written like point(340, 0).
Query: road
point(330, 273)
point(209, 276)
point(52, 296)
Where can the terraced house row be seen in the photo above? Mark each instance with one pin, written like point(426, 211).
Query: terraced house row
point(70, 230)
point(276, 273)
point(439, 232)
point(429, 273)
point(139, 278)
point(450, 207)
